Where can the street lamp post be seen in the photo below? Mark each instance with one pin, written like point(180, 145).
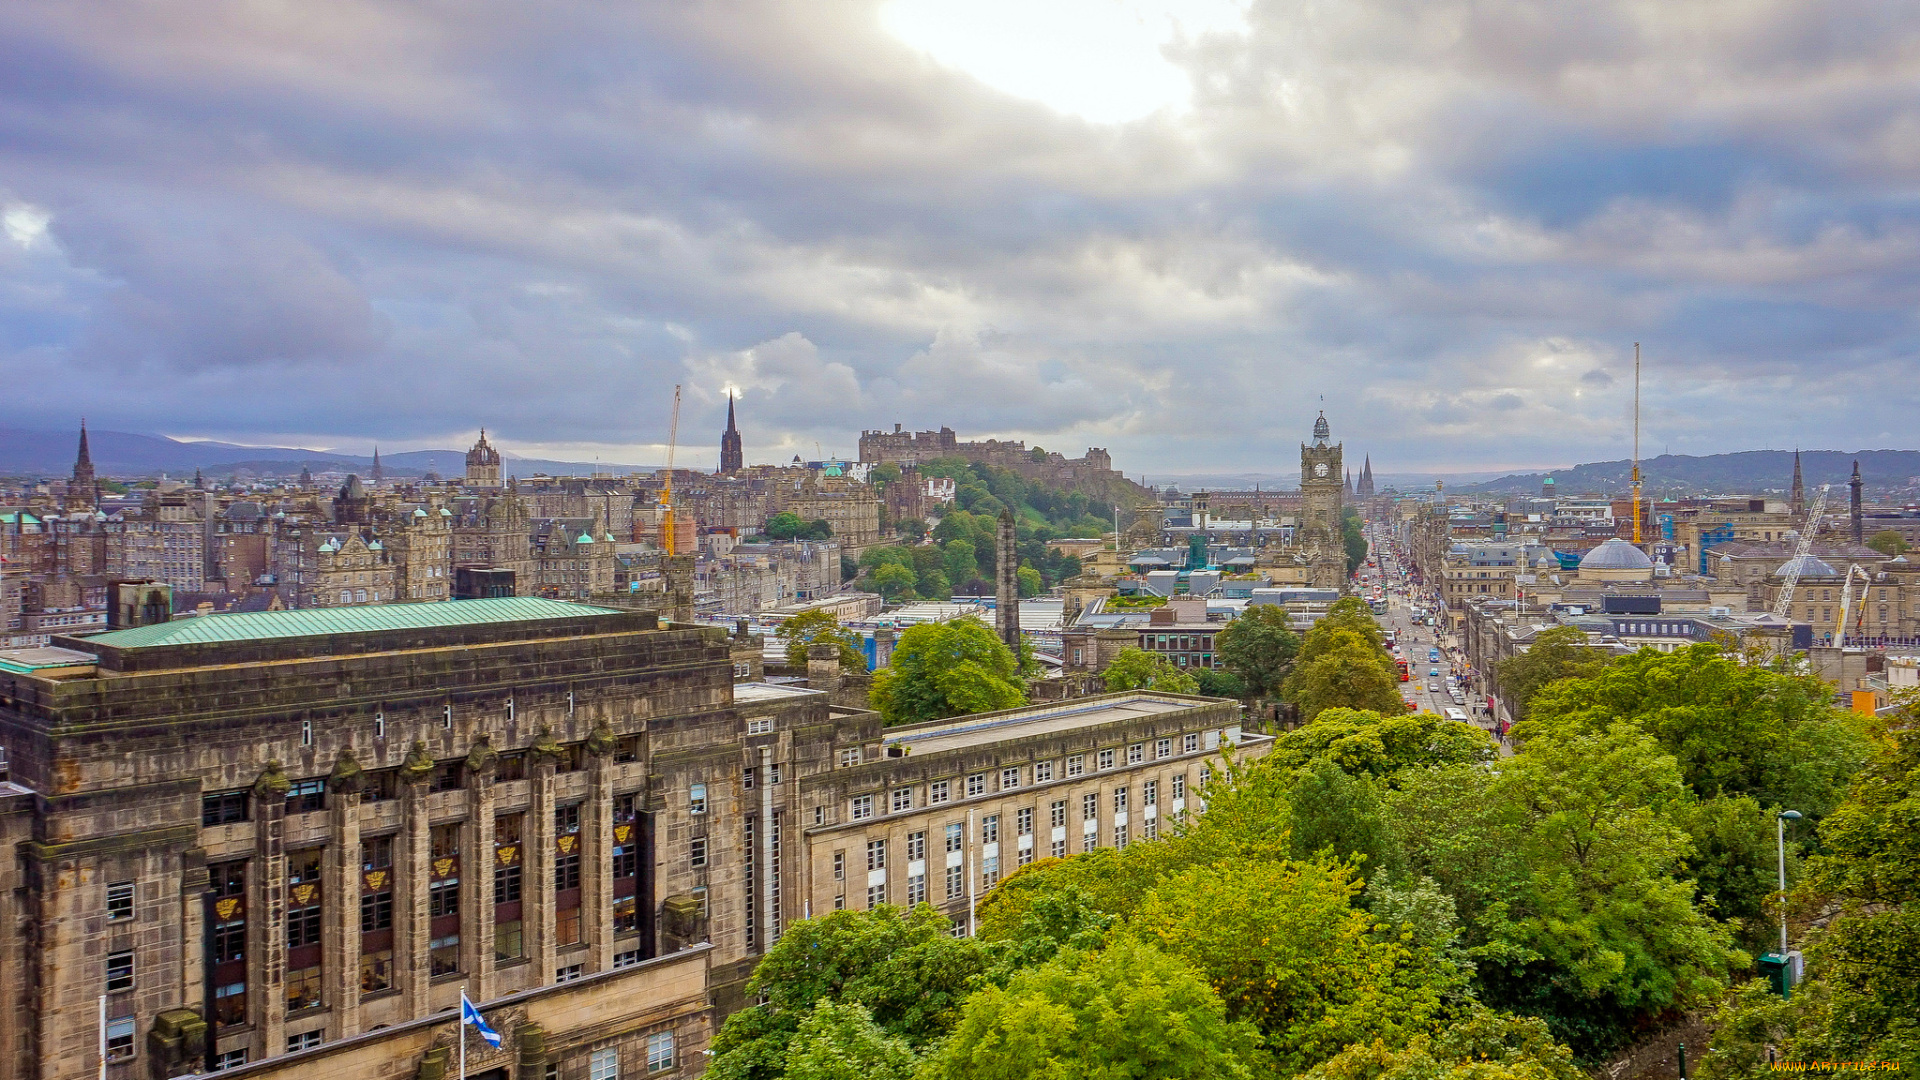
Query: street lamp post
point(1785, 816)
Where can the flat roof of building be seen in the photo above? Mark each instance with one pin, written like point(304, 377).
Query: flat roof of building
point(746, 692)
point(39, 658)
point(1088, 712)
point(321, 622)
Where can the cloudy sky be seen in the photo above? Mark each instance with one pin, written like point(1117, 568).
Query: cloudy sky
point(1167, 228)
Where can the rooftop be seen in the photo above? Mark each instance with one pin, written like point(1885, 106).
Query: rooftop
point(1022, 723)
point(321, 622)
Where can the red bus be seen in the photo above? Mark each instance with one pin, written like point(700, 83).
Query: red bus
point(1404, 673)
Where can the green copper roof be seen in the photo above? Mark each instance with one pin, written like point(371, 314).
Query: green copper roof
point(316, 622)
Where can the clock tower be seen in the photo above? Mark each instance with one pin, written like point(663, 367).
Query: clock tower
point(1319, 538)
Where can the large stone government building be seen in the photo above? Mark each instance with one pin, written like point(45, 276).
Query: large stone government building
point(283, 843)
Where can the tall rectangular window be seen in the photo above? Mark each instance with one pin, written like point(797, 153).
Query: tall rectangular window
point(1057, 813)
point(120, 1039)
point(1023, 819)
point(916, 846)
point(120, 901)
point(1163, 748)
point(902, 800)
point(660, 1052)
point(876, 855)
point(956, 836)
point(604, 1064)
point(1119, 800)
point(1009, 779)
point(119, 971)
point(697, 851)
point(939, 792)
point(876, 895)
point(1179, 785)
point(956, 883)
point(916, 889)
point(697, 799)
point(1106, 759)
point(976, 785)
point(1043, 772)
point(1190, 742)
point(990, 829)
point(1090, 806)
point(1150, 793)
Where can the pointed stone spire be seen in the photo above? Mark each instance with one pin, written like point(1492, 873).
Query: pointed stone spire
point(1366, 477)
point(1799, 485)
point(376, 464)
point(731, 457)
point(83, 489)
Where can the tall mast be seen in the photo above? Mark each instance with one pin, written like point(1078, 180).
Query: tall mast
point(1636, 444)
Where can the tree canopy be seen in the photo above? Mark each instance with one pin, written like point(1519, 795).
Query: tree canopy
point(822, 627)
point(1559, 653)
point(947, 669)
point(1138, 669)
point(1259, 647)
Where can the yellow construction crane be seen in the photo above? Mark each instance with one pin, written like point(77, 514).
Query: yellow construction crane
point(666, 489)
point(1636, 444)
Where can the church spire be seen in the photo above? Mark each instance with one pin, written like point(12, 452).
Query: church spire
point(376, 464)
point(732, 460)
point(1799, 486)
point(83, 489)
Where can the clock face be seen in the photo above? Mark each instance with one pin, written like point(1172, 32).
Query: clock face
point(1320, 470)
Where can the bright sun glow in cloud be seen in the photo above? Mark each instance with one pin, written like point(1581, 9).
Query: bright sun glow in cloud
point(1097, 59)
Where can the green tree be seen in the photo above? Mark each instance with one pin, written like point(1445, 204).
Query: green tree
point(1862, 1000)
point(961, 565)
point(934, 585)
point(784, 525)
point(947, 669)
point(1346, 615)
point(910, 529)
point(904, 968)
point(883, 474)
point(1259, 647)
point(1734, 728)
point(1888, 542)
point(817, 626)
point(1559, 653)
point(1125, 1011)
point(1367, 743)
point(1215, 682)
point(1030, 582)
point(817, 529)
point(1137, 669)
point(895, 582)
point(1598, 932)
point(1287, 951)
point(841, 1042)
point(1349, 674)
point(1482, 1045)
point(1353, 539)
point(1339, 817)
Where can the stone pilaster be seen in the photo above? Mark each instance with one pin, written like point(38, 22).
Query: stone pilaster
point(267, 913)
point(596, 862)
point(476, 886)
point(536, 890)
point(340, 897)
point(193, 931)
point(412, 929)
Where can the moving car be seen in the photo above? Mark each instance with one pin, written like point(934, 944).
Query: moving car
point(1433, 686)
point(1433, 671)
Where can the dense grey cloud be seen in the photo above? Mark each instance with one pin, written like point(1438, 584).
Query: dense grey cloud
point(1450, 219)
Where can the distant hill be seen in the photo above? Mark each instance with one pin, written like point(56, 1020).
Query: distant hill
point(1885, 472)
point(122, 454)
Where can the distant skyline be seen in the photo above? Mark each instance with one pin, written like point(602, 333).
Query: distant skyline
point(1164, 227)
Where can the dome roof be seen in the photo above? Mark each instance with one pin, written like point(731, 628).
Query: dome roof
point(1616, 554)
point(1808, 566)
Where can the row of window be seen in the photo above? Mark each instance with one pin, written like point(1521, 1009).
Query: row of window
point(901, 800)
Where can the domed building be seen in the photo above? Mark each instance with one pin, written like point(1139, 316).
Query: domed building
point(1806, 566)
point(1615, 561)
point(483, 465)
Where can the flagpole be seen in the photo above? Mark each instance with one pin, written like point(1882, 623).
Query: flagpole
point(460, 1032)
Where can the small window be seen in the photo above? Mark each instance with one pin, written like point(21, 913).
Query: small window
point(1190, 743)
point(976, 785)
point(569, 973)
point(940, 791)
point(306, 796)
point(956, 837)
point(1106, 759)
point(697, 799)
point(630, 958)
point(231, 1059)
point(1009, 778)
point(660, 1051)
point(916, 846)
point(1043, 772)
point(306, 1040)
point(1077, 765)
point(902, 800)
point(849, 757)
point(839, 866)
point(120, 901)
point(119, 971)
point(697, 851)
point(120, 1039)
point(860, 808)
point(876, 855)
point(762, 725)
point(990, 829)
point(604, 1064)
point(1136, 753)
point(1163, 748)
point(223, 807)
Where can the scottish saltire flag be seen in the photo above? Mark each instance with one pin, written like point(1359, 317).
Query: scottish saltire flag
point(471, 1015)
